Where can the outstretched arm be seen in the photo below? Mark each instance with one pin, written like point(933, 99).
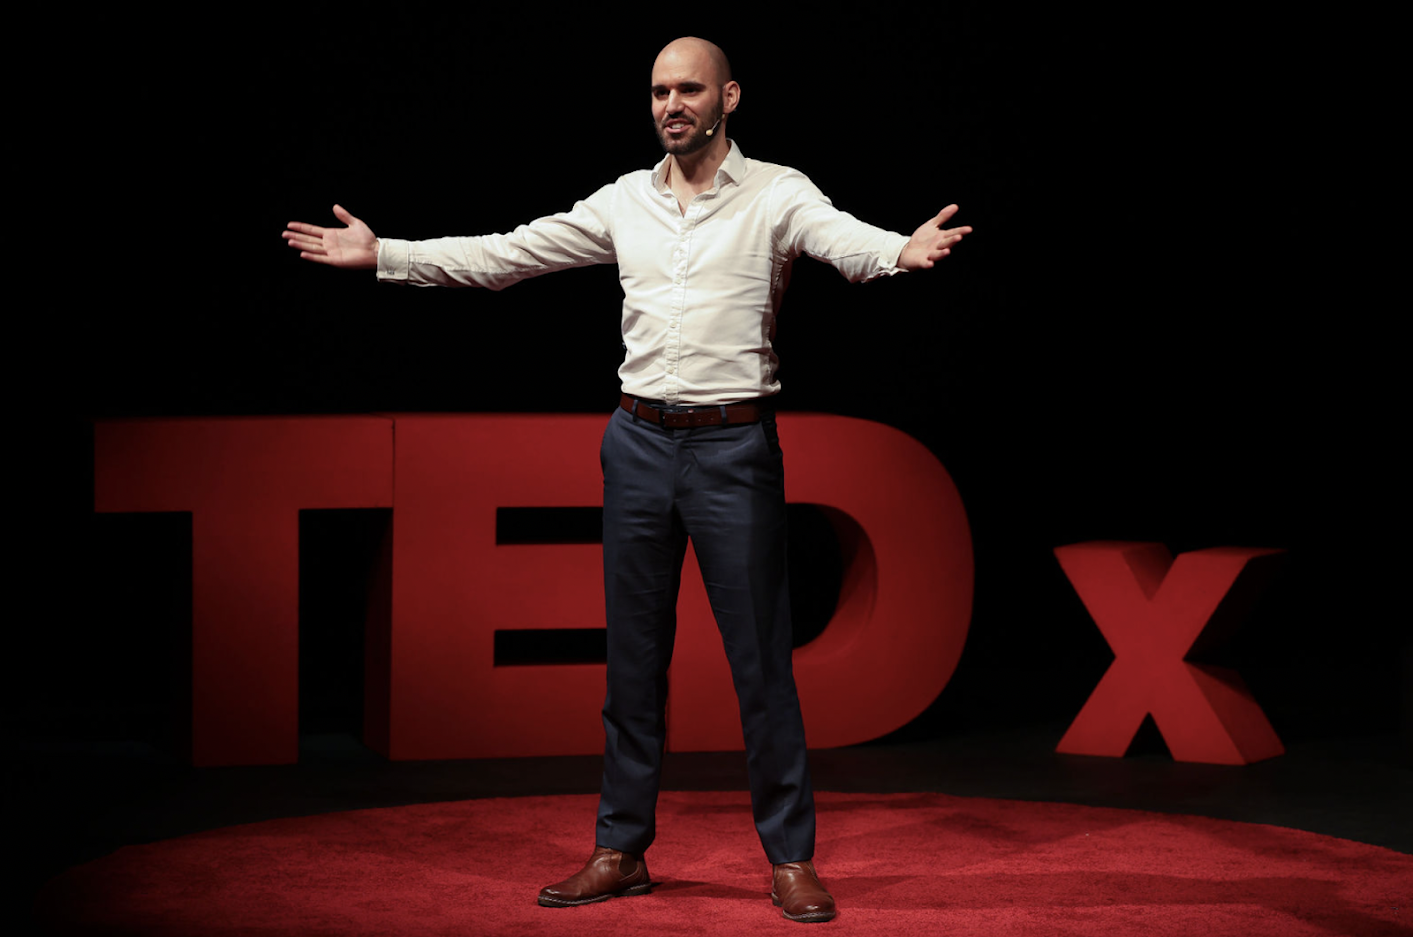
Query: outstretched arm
point(354, 247)
point(931, 242)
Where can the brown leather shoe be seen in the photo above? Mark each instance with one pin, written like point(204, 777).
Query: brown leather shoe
point(798, 894)
point(608, 874)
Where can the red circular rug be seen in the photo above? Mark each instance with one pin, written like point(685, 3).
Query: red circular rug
point(897, 864)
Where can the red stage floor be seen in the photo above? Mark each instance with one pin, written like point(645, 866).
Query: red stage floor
point(923, 863)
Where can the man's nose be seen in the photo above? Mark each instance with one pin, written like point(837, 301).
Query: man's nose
point(674, 103)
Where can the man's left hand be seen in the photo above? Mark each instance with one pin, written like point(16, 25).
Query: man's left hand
point(931, 242)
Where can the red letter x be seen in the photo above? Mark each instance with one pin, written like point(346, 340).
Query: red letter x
point(1152, 610)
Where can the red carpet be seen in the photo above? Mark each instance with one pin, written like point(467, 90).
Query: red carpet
point(898, 864)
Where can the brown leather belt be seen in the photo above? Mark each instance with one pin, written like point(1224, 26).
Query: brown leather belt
point(683, 417)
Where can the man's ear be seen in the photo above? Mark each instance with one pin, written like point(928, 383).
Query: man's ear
point(731, 96)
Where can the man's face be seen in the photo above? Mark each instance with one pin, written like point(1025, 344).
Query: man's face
point(687, 100)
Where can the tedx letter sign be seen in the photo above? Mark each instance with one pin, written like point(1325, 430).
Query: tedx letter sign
point(1152, 609)
point(432, 688)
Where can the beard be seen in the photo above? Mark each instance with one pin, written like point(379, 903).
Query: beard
point(693, 141)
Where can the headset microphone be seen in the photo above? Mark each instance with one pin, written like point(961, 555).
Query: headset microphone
point(715, 125)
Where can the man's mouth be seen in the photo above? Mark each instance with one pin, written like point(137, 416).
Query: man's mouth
point(676, 125)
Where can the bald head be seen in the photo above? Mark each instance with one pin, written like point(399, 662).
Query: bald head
point(697, 55)
point(693, 94)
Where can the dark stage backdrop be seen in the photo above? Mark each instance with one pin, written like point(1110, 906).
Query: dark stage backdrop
point(1157, 331)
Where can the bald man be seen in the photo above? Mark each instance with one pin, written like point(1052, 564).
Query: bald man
point(703, 242)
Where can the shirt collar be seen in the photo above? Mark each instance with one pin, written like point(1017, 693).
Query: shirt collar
point(732, 168)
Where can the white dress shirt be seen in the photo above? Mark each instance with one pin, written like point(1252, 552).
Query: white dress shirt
point(701, 289)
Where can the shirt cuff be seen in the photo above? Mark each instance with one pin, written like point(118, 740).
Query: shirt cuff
point(392, 260)
point(888, 259)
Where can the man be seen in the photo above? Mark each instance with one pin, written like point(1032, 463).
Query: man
point(704, 243)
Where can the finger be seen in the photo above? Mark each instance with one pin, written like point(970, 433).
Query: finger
point(303, 228)
point(944, 214)
point(948, 238)
point(317, 258)
point(303, 243)
point(342, 214)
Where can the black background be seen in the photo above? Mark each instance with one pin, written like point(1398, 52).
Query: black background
point(1168, 324)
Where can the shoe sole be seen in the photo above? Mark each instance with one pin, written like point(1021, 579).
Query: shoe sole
point(811, 917)
point(625, 893)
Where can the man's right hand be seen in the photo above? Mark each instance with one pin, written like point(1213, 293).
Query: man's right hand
point(354, 247)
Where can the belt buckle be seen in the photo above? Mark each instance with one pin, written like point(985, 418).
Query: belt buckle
point(657, 415)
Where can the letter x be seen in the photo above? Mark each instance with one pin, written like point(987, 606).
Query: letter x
point(1152, 609)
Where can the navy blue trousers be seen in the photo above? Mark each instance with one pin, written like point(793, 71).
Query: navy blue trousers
point(724, 488)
